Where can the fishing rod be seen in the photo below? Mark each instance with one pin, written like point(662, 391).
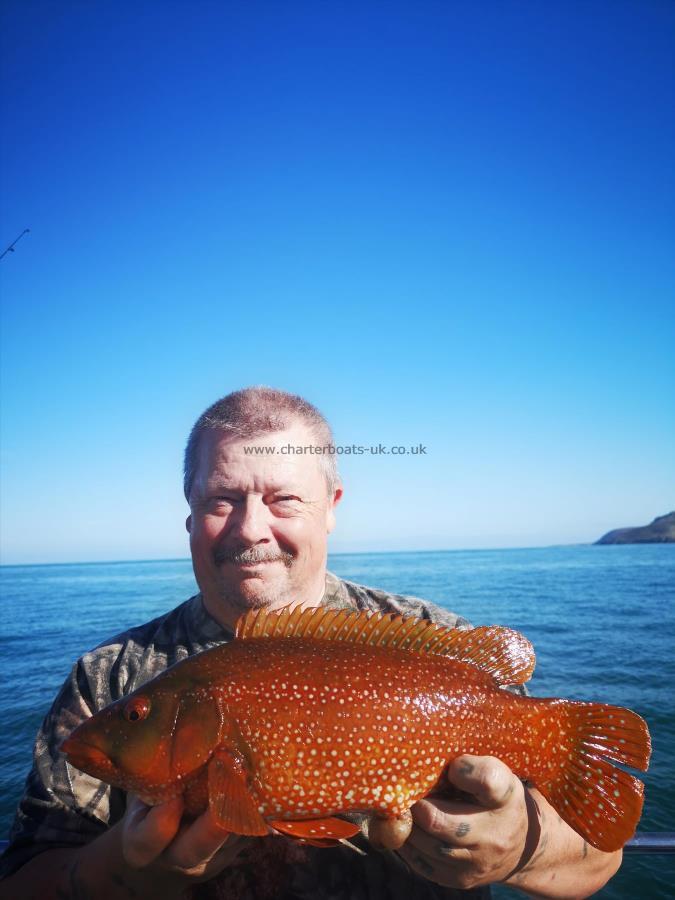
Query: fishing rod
point(10, 249)
point(651, 842)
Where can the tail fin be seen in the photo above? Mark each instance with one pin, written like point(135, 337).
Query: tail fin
point(599, 801)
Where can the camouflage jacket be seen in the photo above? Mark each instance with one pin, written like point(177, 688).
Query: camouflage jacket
point(63, 807)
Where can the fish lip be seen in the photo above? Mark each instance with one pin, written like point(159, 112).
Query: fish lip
point(84, 755)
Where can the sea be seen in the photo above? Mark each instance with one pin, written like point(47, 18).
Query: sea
point(601, 618)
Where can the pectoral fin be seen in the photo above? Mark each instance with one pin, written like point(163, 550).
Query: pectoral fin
point(317, 832)
point(230, 800)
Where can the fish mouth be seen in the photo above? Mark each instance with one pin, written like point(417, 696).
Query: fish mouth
point(85, 756)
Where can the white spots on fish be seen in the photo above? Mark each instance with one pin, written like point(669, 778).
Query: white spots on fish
point(336, 726)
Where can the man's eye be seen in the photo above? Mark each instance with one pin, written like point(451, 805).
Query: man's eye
point(286, 502)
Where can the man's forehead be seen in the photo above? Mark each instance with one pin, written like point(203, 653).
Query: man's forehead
point(223, 445)
point(266, 481)
point(277, 459)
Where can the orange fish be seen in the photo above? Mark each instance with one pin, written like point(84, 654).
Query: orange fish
point(316, 713)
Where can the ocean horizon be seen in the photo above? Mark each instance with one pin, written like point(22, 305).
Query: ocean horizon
point(601, 619)
point(158, 559)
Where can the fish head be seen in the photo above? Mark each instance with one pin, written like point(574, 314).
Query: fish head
point(148, 741)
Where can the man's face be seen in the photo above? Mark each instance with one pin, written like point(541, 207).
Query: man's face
point(259, 522)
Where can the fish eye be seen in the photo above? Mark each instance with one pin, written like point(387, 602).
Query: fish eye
point(136, 709)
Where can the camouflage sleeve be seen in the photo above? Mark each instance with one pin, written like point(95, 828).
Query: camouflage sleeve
point(61, 806)
point(342, 592)
point(425, 609)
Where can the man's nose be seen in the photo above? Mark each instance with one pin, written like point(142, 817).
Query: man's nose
point(250, 524)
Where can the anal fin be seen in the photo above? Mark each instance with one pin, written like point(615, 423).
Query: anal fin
point(317, 832)
point(230, 800)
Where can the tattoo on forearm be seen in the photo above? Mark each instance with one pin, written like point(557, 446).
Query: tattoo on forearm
point(466, 768)
point(584, 852)
point(463, 829)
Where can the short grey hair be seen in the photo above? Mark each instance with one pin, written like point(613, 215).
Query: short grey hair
point(255, 411)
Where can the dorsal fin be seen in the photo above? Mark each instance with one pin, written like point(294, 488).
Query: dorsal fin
point(501, 652)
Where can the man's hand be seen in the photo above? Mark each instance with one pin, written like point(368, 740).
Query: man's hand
point(467, 844)
point(153, 838)
point(503, 831)
point(148, 854)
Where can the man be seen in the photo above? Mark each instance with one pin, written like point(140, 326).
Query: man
point(258, 524)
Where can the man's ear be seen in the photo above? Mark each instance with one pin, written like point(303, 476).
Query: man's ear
point(188, 524)
point(332, 503)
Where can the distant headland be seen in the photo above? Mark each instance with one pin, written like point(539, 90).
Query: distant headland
point(660, 531)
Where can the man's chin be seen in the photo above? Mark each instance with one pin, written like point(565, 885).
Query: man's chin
point(254, 593)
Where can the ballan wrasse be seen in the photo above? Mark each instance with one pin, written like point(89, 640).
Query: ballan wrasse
point(316, 713)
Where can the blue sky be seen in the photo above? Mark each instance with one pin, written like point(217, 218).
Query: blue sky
point(447, 223)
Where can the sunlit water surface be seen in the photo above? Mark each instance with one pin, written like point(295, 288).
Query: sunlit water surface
point(602, 621)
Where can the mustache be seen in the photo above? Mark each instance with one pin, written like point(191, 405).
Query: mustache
point(249, 555)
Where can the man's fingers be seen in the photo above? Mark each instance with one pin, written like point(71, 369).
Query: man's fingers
point(488, 779)
point(463, 834)
point(434, 851)
point(445, 819)
point(198, 843)
point(148, 830)
point(442, 868)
